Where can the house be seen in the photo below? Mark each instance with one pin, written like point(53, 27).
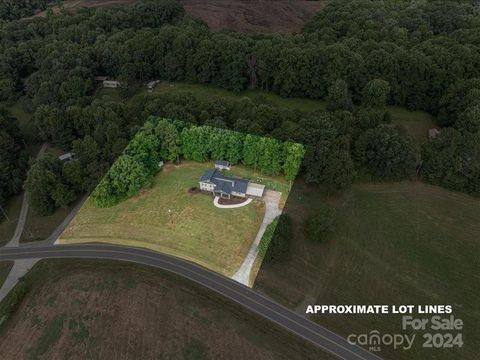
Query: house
point(433, 133)
point(222, 165)
point(214, 181)
point(67, 156)
point(100, 78)
point(111, 84)
point(152, 84)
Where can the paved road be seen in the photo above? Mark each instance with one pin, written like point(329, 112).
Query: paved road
point(231, 289)
point(21, 267)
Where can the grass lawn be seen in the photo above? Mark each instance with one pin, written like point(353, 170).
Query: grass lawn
point(396, 243)
point(169, 219)
point(92, 309)
point(5, 267)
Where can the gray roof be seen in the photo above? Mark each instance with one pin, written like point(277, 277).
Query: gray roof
point(222, 162)
point(66, 156)
point(224, 184)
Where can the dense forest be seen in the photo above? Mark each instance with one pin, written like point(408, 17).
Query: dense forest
point(359, 55)
point(16, 9)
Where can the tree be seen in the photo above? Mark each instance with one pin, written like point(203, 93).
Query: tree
point(452, 160)
point(44, 185)
point(251, 151)
point(320, 224)
point(385, 153)
point(339, 97)
point(293, 159)
point(469, 120)
point(375, 93)
point(13, 157)
point(330, 166)
point(169, 139)
point(270, 156)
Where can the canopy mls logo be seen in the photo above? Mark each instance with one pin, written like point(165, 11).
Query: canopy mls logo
point(374, 340)
point(445, 335)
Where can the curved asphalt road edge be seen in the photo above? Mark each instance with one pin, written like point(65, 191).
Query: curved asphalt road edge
point(246, 297)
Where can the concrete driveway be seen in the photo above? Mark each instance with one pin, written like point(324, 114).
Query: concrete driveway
point(272, 210)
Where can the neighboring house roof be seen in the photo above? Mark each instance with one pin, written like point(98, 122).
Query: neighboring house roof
point(433, 133)
point(222, 163)
point(224, 184)
point(66, 156)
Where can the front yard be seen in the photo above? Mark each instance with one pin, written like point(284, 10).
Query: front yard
point(170, 219)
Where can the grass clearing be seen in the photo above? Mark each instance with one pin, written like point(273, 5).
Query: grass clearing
point(206, 92)
point(39, 228)
point(69, 313)
point(5, 267)
point(394, 243)
point(170, 219)
point(415, 123)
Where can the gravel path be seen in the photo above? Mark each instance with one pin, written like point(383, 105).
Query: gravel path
point(272, 210)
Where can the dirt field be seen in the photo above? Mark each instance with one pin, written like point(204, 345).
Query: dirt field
point(239, 15)
point(112, 310)
point(254, 15)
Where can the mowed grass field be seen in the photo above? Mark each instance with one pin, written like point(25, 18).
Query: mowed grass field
point(396, 243)
point(117, 310)
point(170, 219)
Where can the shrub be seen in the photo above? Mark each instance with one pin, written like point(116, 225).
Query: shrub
point(320, 225)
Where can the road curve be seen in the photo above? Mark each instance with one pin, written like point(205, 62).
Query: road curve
point(248, 298)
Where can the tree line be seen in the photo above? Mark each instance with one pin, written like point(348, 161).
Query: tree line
point(16, 9)
point(13, 157)
point(358, 55)
point(165, 140)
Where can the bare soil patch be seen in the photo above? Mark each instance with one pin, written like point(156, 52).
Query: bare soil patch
point(264, 16)
point(254, 15)
point(231, 201)
point(194, 190)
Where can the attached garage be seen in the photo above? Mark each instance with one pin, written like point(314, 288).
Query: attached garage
point(255, 190)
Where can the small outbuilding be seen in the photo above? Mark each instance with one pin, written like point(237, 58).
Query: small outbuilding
point(111, 84)
point(67, 156)
point(222, 165)
point(433, 133)
point(152, 84)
